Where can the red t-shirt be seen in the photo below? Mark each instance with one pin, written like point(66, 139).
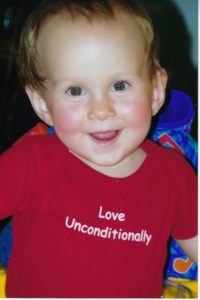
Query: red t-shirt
point(78, 233)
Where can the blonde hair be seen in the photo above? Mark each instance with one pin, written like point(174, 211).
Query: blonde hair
point(29, 65)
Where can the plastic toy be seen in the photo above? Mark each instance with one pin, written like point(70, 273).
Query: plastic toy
point(174, 125)
point(172, 131)
point(180, 288)
point(2, 282)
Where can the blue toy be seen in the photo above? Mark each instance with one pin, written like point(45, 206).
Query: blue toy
point(174, 125)
point(172, 131)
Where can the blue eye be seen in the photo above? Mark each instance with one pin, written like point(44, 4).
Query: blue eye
point(120, 86)
point(75, 91)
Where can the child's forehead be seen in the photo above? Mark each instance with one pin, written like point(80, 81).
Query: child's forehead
point(122, 22)
point(68, 44)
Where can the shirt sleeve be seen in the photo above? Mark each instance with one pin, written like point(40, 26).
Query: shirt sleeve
point(15, 178)
point(186, 211)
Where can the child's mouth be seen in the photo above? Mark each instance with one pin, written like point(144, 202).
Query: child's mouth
point(105, 136)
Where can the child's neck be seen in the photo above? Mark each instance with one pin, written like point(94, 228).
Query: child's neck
point(125, 168)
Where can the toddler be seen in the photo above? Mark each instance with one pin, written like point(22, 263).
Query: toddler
point(94, 204)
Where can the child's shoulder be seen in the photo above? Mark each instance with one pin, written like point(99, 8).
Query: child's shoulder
point(167, 158)
point(33, 146)
point(40, 140)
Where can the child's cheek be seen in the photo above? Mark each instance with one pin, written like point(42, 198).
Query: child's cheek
point(67, 120)
point(137, 114)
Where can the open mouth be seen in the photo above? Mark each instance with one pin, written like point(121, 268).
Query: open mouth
point(105, 136)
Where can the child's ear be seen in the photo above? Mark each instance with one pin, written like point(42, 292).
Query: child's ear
point(39, 104)
point(159, 87)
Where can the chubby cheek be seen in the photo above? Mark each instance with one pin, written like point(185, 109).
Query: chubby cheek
point(67, 120)
point(137, 114)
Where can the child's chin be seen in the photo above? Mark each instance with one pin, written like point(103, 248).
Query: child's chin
point(105, 161)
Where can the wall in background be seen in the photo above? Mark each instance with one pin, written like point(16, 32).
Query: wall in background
point(189, 10)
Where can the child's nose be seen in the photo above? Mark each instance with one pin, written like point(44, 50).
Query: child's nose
point(101, 109)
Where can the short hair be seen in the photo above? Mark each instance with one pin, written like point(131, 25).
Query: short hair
point(29, 65)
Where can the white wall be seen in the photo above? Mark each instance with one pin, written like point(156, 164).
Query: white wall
point(189, 10)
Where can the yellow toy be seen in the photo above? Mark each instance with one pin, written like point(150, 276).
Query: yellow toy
point(2, 282)
point(180, 288)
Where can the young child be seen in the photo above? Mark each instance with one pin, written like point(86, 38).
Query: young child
point(94, 204)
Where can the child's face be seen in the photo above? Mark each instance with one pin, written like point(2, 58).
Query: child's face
point(99, 97)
